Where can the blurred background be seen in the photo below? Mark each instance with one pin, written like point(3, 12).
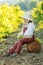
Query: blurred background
point(25, 5)
point(11, 10)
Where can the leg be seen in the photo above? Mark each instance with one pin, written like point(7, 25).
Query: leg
point(19, 47)
point(20, 43)
point(12, 50)
point(16, 48)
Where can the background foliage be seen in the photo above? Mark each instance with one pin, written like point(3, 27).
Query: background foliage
point(37, 14)
point(9, 19)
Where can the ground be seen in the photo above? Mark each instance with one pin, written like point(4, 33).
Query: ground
point(24, 58)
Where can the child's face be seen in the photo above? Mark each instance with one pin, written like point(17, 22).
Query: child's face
point(26, 21)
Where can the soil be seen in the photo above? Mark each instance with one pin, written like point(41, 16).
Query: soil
point(24, 58)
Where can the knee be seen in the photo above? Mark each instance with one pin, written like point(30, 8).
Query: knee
point(21, 40)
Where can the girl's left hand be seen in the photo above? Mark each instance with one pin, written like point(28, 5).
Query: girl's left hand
point(20, 37)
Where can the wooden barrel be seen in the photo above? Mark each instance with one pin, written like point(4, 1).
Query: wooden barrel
point(34, 46)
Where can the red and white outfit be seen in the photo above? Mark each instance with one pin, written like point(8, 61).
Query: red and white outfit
point(28, 33)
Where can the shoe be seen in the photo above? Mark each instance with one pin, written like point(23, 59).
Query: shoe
point(14, 54)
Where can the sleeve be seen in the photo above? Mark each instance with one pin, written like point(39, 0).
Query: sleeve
point(30, 30)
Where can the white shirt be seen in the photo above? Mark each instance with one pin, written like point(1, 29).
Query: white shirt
point(30, 30)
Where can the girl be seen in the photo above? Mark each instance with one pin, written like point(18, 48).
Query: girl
point(27, 34)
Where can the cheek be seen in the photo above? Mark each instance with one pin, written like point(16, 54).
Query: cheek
point(25, 21)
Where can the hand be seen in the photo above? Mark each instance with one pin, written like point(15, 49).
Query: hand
point(20, 37)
